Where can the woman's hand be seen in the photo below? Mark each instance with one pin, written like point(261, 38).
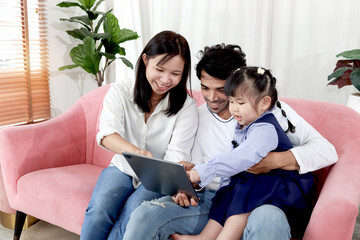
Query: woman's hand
point(144, 153)
point(117, 144)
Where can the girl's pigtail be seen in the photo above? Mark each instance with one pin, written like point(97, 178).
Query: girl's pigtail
point(291, 126)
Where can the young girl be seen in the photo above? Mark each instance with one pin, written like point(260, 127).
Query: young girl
point(252, 94)
point(152, 116)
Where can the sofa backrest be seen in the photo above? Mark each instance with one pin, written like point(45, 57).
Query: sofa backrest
point(323, 116)
point(333, 121)
point(92, 104)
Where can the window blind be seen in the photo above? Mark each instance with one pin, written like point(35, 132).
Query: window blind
point(24, 78)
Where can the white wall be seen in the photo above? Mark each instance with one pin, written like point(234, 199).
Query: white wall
point(296, 39)
point(65, 86)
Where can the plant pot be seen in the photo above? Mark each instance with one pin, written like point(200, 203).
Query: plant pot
point(354, 101)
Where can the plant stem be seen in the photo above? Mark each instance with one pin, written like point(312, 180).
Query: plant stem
point(100, 78)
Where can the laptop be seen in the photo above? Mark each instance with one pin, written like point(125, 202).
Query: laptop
point(157, 175)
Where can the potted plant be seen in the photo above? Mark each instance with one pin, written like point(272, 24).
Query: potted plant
point(96, 45)
point(347, 72)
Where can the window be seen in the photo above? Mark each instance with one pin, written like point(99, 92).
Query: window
point(24, 78)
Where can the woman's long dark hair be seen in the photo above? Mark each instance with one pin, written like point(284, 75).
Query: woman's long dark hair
point(171, 44)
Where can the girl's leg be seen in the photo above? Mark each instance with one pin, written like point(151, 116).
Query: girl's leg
point(234, 227)
point(111, 191)
point(211, 231)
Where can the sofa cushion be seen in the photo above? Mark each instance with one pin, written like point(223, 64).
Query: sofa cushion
point(64, 192)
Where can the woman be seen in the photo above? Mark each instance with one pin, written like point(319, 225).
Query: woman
point(153, 117)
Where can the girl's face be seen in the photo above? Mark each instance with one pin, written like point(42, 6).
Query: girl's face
point(244, 112)
point(163, 77)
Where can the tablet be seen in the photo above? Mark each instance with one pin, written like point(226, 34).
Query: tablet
point(161, 176)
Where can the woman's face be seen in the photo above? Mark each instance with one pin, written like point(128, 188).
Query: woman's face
point(163, 77)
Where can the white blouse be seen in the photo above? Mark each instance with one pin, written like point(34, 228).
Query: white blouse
point(169, 138)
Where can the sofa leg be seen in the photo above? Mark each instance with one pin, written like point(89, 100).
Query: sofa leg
point(19, 223)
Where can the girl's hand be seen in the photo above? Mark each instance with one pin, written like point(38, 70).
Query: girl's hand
point(193, 176)
point(187, 165)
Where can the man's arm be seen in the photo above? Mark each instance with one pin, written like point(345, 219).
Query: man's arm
point(283, 160)
point(311, 150)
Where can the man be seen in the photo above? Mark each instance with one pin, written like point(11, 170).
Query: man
point(160, 218)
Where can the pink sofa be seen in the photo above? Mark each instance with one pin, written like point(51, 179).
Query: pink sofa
point(50, 168)
point(4, 202)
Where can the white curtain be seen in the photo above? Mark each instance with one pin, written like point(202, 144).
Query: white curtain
point(296, 39)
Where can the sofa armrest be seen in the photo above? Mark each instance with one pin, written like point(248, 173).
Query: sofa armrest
point(336, 210)
point(60, 141)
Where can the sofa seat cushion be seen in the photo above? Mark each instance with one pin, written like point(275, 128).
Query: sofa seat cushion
point(61, 194)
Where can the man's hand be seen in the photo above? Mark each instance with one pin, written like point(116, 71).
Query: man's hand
point(183, 200)
point(274, 160)
point(193, 176)
point(187, 165)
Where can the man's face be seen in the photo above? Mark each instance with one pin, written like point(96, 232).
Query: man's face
point(212, 90)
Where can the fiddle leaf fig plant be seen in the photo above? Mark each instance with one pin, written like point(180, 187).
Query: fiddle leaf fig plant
point(347, 71)
point(95, 45)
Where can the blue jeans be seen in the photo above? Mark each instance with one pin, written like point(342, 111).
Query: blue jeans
point(111, 203)
point(161, 218)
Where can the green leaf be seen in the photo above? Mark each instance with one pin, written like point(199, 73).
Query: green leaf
point(87, 3)
point(127, 62)
point(69, 20)
point(111, 25)
point(101, 20)
point(108, 55)
point(355, 78)
point(89, 46)
point(122, 51)
point(352, 54)
point(84, 19)
point(97, 4)
point(68, 67)
point(98, 36)
point(76, 55)
point(110, 47)
point(79, 33)
point(70, 4)
point(99, 24)
point(86, 56)
point(76, 34)
point(338, 73)
point(92, 15)
point(126, 35)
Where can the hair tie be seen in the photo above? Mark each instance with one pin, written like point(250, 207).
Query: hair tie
point(260, 71)
point(236, 70)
